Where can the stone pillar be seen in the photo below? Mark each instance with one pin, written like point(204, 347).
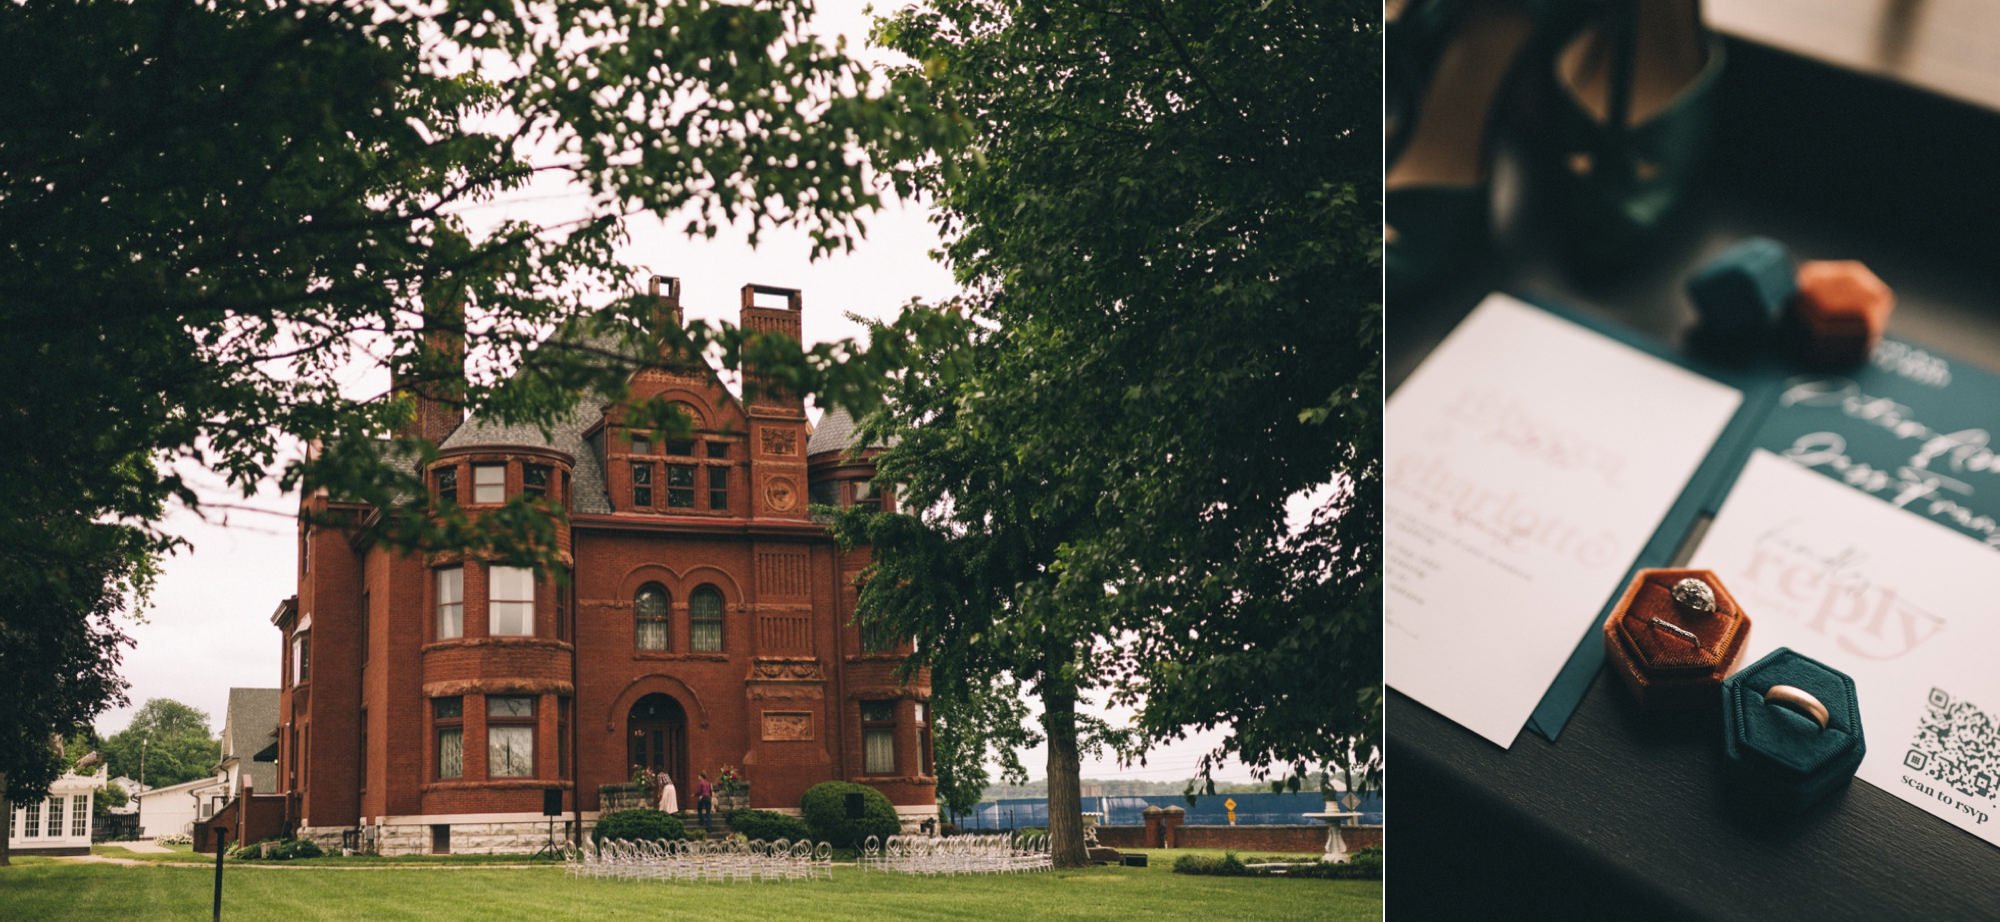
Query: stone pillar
point(1171, 820)
point(1155, 833)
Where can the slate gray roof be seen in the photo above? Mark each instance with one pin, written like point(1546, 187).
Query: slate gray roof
point(587, 490)
point(247, 728)
point(835, 432)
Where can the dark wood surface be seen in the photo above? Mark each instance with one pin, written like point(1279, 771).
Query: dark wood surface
point(1625, 818)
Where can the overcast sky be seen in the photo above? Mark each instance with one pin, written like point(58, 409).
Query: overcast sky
point(209, 628)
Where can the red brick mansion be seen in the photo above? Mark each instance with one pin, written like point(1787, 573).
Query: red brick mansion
point(430, 701)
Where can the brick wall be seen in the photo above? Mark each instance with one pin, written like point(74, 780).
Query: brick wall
point(1122, 836)
point(247, 819)
point(1359, 837)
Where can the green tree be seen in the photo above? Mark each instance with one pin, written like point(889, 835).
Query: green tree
point(167, 742)
point(113, 796)
point(1168, 225)
point(60, 643)
point(211, 213)
point(974, 726)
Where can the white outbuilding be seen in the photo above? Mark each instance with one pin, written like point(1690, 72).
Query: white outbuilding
point(59, 824)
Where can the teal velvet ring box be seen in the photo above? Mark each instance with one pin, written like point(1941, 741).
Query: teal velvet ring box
point(1773, 746)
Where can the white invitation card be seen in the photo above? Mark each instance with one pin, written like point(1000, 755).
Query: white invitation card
point(1527, 463)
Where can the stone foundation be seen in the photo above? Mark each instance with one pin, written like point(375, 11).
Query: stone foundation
point(328, 838)
point(495, 838)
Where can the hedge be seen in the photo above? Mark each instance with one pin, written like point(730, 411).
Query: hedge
point(825, 809)
point(638, 825)
point(1365, 864)
point(767, 825)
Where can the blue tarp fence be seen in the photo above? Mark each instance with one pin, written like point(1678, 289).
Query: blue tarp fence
point(1208, 810)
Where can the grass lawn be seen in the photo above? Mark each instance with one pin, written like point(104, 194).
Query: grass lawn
point(407, 890)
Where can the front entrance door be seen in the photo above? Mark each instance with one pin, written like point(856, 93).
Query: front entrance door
point(656, 734)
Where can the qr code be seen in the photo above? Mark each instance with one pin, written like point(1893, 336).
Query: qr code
point(1957, 744)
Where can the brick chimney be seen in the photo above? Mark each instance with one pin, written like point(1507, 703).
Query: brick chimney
point(666, 304)
point(435, 378)
point(759, 391)
point(777, 417)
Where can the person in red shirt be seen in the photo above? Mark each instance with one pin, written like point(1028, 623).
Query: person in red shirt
point(704, 795)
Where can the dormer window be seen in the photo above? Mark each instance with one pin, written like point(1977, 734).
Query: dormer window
point(642, 485)
point(680, 486)
point(489, 483)
point(718, 488)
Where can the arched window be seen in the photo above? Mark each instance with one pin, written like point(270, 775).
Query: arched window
point(649, 613)
point(705, 620)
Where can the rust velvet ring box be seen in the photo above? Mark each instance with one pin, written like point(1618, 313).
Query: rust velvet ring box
point(1679, 666)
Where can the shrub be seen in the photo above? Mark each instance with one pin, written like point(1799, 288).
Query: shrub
point(1366, 863)
point(1225, 866)
point(825, 808)
point(175, 839)
point(276, 850)
point(767, 825)
point(637, 825)
point(302, 848)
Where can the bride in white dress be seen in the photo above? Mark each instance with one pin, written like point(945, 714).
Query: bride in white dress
point(670, 802)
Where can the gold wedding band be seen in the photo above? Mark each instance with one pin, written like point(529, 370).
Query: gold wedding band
point(1800, 700)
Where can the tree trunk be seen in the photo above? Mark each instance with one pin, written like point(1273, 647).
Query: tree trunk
point(1065, 784)
point(6, 814)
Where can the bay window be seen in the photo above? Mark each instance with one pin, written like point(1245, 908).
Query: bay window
point(510, 601)
point(510, 736)
point(448, 717)
point(450, 603)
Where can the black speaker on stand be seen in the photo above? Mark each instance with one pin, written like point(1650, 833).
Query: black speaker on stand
point(551, 808)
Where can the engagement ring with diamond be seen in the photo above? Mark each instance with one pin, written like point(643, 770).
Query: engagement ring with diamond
point(1695, 595)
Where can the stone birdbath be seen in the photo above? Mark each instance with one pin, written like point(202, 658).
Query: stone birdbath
point(1336, 848)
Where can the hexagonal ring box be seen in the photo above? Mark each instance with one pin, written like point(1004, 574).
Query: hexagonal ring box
point(1674, 652)
point(1774, 746)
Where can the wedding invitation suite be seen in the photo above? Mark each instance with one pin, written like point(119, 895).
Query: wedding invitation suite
point(1527, 463)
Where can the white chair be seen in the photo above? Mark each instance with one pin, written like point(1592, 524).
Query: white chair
point(823, 860)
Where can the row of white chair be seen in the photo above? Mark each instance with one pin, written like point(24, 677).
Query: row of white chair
point(988, 854)
point(724, 859)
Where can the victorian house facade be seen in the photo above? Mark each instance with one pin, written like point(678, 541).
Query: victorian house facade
point(432, 702)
